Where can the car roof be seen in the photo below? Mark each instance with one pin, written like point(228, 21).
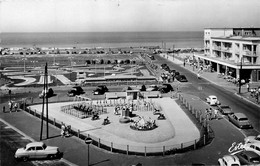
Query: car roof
point(240, 115)
point(255, 143)
point(251, 154)
point(231, 158)
point(35, 144)
point(211, 96)
point(224, 106)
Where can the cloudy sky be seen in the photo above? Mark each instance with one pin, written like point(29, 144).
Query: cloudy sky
point(126, 15)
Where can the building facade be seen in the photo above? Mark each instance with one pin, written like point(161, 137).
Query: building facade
point(233, 51)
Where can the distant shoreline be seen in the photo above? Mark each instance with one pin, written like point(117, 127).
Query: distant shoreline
point(180, 39)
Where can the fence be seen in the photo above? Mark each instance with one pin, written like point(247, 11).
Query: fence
point(207, 136)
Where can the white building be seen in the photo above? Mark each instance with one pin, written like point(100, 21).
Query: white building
point(229, 49)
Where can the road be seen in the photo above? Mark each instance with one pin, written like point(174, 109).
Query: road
point(204, 88)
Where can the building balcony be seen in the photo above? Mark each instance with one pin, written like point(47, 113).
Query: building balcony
point(249, 53)
point(218, 48)
point(226, 49)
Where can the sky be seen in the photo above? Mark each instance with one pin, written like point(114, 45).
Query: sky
point(126, 15)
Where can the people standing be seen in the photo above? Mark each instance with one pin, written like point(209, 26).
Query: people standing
point(216, 113)
point(198, 75)
point(63, 127)
point(210, 113)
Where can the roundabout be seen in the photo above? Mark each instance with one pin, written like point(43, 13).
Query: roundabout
point(176, 131)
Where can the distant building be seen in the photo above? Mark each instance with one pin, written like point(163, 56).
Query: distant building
point(225, 48)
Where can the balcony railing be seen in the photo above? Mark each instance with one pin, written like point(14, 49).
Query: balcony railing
point(249, 53)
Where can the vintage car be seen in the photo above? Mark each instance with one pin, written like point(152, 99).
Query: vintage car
point(252, 139)
point(181, 78)
point(165, 88)
point(255, 147)
point(37, 150)
point(152, 88)
point(77, 90)
point(101, 89)
point(46, 93)
point(225, 109)
point(248, 158)
point(229, 160)
point(240, 120)
point(212, 100)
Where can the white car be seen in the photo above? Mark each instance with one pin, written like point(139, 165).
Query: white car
point(252, 139)
point(255, 147)
point(229, 160)
point(37, 150)
point(212, 100)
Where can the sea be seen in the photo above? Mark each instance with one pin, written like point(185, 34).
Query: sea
point(176, 39)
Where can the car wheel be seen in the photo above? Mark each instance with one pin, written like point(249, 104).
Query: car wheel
point(25, 158)
point(51, 156)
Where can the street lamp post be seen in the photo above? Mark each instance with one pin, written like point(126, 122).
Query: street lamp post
point(240, 71)
point(88, 141)
point(193, 62)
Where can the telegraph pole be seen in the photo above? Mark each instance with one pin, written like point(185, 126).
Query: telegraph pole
point(45, 91)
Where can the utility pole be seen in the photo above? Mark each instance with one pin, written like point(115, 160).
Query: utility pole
point(45, 91)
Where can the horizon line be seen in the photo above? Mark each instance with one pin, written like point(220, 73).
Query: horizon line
point(104, 31)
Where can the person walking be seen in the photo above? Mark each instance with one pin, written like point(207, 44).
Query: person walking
point(3, 109)
point(248, 87)
point(216, 114)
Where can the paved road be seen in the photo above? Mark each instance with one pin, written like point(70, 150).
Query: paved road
point(203, 88)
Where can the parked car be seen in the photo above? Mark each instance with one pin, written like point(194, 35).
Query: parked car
point(181, 78)
point(229, 160)
point(165, 88)
point(212, 100)
point(252, 139)
point(101, 89)
point(152, 88)
point(77, 90)
point(46, 93)
point(225, 109)
point(37, 150)
point(255, 147)
point(248, 158)
point(240, 120)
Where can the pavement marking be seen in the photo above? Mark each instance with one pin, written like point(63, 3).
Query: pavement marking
point(32, 140)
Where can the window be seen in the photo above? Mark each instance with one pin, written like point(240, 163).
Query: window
point(39, 148)
point(243, 119)
point(30, 149)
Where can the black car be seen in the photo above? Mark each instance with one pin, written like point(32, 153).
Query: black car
point(77, 90)
point(181, 78)
point(101, 89)
point(165, 88)
point(248, 158)
point(225, 109)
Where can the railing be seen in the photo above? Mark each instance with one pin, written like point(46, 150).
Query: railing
point(206, 133)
